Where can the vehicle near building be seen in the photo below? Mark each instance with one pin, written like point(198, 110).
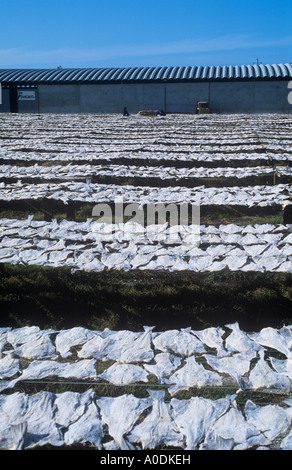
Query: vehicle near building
point(203, 107)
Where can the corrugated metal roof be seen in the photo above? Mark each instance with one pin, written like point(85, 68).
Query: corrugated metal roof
point(135, 74)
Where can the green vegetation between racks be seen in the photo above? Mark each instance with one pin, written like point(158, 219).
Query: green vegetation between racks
point(57, 298)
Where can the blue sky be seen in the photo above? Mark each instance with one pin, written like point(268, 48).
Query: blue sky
point(128, 33)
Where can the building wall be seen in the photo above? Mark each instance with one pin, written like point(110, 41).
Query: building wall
point(184, 96)
point(59, 99)
point(172, 97)
point(28, 105)
point(113, 98)
point(232, 97)
point(272, 97)
point(22, 104)
point(250, 97)
point(5, 106)
point(224, 97)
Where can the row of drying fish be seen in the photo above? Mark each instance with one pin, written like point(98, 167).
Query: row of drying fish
point(171, 372)
point(100, 193)
point(262, 123)
point(139, 146)
point(147, 256)
point(109, 126)
point(130, 423)
point(177, 358)
point(94, 246)
point(95, 230)
point(128, 256)
point(143, 155)
point(72, 172)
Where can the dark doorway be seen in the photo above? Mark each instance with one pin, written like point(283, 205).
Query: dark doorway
point(13, 100)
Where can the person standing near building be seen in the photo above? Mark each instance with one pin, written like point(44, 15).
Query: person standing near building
point(125, 111)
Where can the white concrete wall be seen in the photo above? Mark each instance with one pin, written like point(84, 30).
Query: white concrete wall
point(112, 98)
point(232, 97)
point(183, 97)
point(224, 97)
point(59, 99)
point(272, 97)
